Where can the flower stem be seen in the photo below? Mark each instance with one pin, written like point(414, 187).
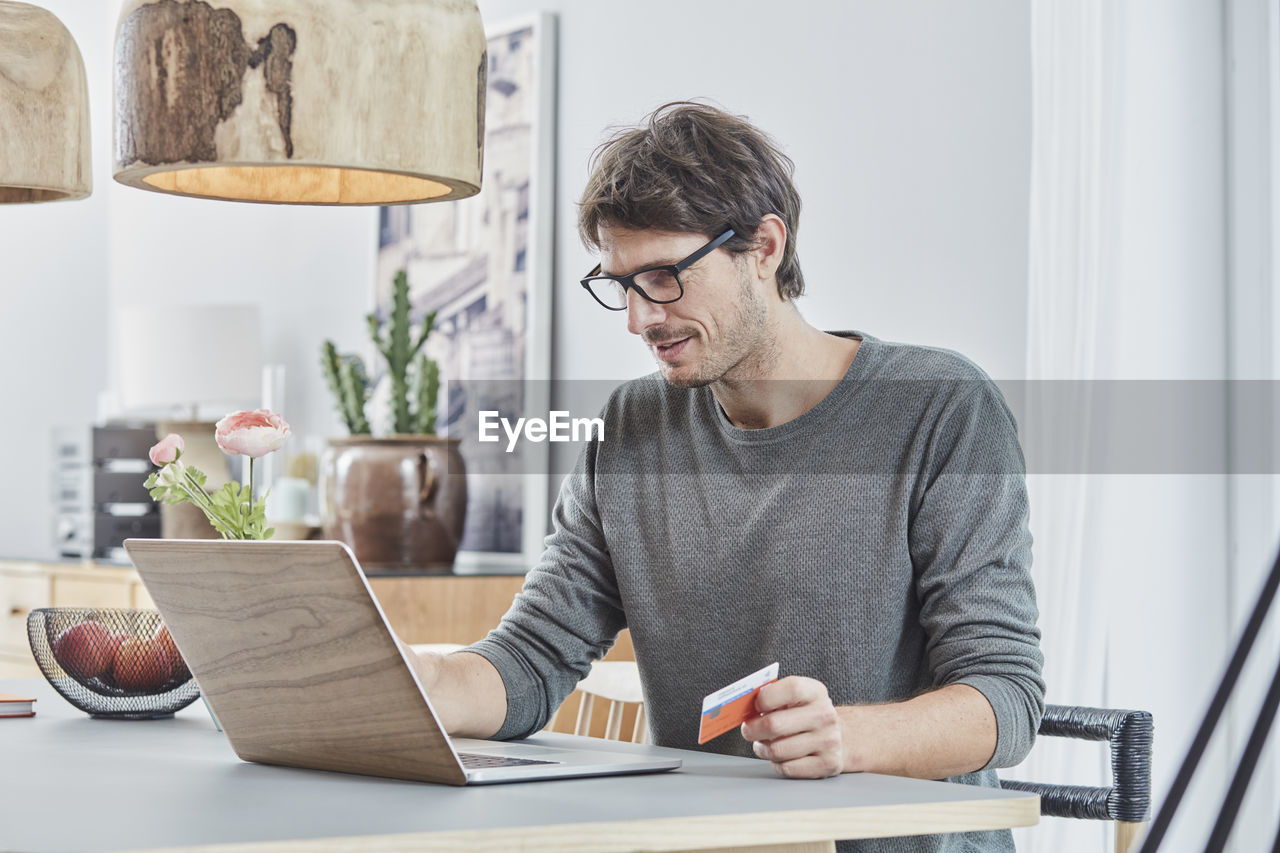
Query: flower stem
point(194, 489)
point(249, 509)
point(204, 502)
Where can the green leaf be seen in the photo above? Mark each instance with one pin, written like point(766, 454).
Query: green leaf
point(227, 507)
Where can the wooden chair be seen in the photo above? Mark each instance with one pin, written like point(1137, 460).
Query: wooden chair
point(618, 683)
point(1128, 800)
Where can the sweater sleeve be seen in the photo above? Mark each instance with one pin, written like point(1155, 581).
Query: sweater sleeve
point(567, 615)
point(971, 550)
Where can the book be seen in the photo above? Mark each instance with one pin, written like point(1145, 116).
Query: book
point(16, 706)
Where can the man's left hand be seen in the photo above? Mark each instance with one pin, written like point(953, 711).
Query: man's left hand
point(797, 729)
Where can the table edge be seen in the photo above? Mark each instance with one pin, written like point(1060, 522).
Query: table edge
point(680, 833)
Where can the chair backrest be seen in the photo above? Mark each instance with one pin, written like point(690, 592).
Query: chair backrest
point(1128, 800)
point(618, 684)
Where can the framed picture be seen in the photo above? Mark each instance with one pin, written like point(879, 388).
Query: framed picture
point(483, 264)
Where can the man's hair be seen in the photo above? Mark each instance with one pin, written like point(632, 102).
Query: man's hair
point(693, 168)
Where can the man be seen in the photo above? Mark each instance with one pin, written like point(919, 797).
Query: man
point(851, 508)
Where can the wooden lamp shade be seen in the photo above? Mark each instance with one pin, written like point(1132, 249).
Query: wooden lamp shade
point(44, 109)
point(301, 101)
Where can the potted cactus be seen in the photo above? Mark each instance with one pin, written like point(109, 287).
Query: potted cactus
point(398, 500)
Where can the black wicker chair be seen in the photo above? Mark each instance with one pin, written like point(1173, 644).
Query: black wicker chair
point(1128, 800)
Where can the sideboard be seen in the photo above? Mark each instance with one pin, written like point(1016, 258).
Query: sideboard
point(420, 608)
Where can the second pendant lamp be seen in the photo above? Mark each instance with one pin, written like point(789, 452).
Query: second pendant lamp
point(44, 109)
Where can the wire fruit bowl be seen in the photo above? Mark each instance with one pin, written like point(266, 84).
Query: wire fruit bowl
point(111, 663)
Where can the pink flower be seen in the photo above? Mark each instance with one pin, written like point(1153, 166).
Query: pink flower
point(166, 450)
point(251, 434)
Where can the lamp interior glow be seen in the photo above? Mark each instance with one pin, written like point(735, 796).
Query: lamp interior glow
point(300, 185)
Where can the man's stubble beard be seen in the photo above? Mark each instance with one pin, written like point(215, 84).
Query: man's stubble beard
point(748, 342)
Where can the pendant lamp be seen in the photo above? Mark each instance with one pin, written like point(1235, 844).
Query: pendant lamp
point(44, 109)
point(301, 101)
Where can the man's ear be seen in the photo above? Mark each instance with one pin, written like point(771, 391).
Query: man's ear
point(770, 241)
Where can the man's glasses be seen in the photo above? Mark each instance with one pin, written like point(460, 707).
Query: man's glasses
point(660, 285)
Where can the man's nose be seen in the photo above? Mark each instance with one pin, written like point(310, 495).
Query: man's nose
point(642, 314)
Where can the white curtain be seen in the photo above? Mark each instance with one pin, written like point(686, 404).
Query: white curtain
point(1074, 235)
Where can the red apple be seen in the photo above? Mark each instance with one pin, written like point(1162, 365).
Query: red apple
point(142, 664)
point(113, 646)
point(84, 650)
point(165, 640)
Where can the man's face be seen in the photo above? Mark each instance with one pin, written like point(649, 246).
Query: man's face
point(715, 330)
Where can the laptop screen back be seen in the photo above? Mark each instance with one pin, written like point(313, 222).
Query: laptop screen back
point(293, 653)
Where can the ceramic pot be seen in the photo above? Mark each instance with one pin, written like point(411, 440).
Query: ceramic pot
point(399, 502)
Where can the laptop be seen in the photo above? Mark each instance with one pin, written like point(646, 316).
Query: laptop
point(293, 654)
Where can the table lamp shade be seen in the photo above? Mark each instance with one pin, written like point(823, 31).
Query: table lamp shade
point(44, 109)
point(187, 355)
point(301, 102)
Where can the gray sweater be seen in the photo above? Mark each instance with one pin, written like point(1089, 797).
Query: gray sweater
point(877, 543)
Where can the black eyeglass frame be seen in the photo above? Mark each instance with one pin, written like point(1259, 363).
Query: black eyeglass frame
point(628, 282)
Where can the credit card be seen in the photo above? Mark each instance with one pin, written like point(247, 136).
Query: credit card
point(729, 707)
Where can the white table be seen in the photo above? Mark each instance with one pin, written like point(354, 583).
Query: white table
point(69, 782)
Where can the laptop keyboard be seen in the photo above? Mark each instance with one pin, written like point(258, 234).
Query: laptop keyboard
point(478, 761)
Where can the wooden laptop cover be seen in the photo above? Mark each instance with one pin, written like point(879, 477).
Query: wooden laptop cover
point(295, 657)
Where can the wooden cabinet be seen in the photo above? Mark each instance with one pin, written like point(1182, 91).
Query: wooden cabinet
point(445, 609)
point(456, 608)
point(435, 609)
point(25, 586)
point(98, 586)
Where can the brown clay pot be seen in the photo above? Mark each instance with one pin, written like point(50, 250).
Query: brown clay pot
point(399, 502)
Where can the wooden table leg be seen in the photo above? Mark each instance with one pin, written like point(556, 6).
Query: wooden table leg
point(1129, 834)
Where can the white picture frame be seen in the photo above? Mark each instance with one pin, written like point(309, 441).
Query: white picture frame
point(463, 260)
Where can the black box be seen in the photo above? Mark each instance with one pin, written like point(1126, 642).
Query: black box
point(122, 441)
point(98, 493)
